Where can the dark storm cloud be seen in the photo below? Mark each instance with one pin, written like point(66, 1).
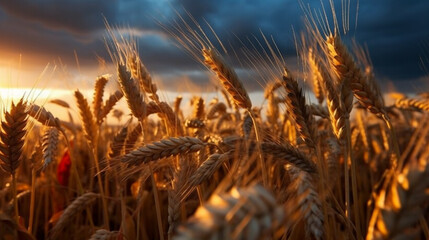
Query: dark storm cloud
point(77, 15)
point(393, 30)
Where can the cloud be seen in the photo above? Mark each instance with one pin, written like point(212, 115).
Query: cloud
point(393, 30)
point(79, 16)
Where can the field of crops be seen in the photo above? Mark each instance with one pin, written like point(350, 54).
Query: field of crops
point(345, 166)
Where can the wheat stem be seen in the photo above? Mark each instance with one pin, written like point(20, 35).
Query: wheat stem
point(258, 146)
point(15, 200)
point(394, 142)
point(353, 171)
point(32, 199)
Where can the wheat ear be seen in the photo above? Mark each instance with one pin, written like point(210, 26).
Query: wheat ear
point(162, 149)
point(43, 116)
point(205, 171)
point(78, 205)
point(117, 145)
point(317, 75)
point(218, 109)
point(228, 78)
point(60, 102)
point(12, 137)
point(400, 211)
point(12, 141)
point(109, 104)
point(288, 154)
point(198, 108)
point(319, 110)
point(133, 137)
point(97, 101)
point(49, 143)
point(132, 94)
point(412, 103)
point(242, 213)
point(103, 234)
point(299, 110)
point(168, 115)
point(337, 113)
point(364, 89)
point(86, 116)
point(140, 72)
point(309, 201)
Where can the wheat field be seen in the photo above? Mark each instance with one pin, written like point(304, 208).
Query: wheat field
point(347, 165)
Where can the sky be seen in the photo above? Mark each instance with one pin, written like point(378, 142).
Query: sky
point(59, 44)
